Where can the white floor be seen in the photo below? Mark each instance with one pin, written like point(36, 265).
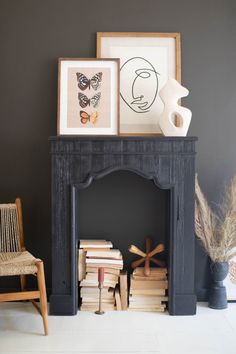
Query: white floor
point(209, 332)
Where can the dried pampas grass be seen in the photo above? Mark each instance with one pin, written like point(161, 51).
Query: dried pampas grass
point(217, 232)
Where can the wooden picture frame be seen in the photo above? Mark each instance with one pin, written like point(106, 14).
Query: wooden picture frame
point(88, 96)
point(147, 60)
point(230, 281)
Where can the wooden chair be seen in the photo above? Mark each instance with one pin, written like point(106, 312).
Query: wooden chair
point(15, 260)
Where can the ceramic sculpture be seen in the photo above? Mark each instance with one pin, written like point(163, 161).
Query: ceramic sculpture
point(175, 119)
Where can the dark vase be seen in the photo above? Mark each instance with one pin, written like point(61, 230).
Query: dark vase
point(217, 294)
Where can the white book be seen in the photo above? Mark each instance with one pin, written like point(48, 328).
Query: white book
point(105, 266)
point(146, 300)
point(110, 253)
point(106, 294)
point(95, 299)
point(94, 283)
point(95, 244)
point(92, 291)
point(107, 277)
point(104, 261)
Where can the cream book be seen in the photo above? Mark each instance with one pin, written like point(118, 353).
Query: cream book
point(147, 300)
point(100, 249)
point(146, 306)
point(94, 306)
point(104, 261)
point(160, 276)
point(81, 264)
point(105, 265)
point(153, 271)
point(91, 269)
point(124, 289)
point(109, 253)
point(147, 292)
point(148, 310)
point(89, 300)
point(152, 308)
point(92, 291)
point(92, 283)
point(118, 300)
point(107, 277)
point(95, 244)
point(148, 284)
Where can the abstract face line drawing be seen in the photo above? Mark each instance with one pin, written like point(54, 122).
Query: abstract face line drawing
point(141, 92)
point(84, 82)
point(84, 101)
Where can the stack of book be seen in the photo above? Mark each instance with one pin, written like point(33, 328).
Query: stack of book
point(92, 255)
point(148, 293)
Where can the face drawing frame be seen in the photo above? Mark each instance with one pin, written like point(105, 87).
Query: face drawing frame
point(147, 60)
point(88, 96)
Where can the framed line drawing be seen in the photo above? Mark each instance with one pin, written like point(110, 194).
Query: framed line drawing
point(230, 280)
point(88, 96)
point(147, 60)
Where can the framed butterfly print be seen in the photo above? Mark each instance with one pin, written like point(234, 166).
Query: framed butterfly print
point(147, 60)
point(88, 96)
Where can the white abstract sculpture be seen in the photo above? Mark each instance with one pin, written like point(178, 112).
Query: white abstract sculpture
point(173, 112)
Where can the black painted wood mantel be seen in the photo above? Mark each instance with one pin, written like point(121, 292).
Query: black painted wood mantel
point(168, 161)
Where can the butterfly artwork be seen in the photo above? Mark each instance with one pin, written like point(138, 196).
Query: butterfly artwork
point(84, 101)
point(88, 96)
point(84, 82)
point(85, 117)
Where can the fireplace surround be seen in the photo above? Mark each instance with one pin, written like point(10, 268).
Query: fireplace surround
point(77, 161)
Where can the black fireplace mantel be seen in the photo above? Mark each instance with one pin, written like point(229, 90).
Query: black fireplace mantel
point(78, 160)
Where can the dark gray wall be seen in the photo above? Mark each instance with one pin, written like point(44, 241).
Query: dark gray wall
point(125, 208)
point(34, 33)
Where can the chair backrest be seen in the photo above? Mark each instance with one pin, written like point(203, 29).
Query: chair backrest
point(11, 227)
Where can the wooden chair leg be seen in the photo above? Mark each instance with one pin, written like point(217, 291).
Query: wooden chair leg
point(23, 282)
point(43, 295)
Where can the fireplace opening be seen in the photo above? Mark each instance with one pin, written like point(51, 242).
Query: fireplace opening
point(124, 208)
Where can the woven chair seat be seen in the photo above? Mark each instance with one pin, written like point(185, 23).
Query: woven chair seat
point(17, 263)
point(14, 260)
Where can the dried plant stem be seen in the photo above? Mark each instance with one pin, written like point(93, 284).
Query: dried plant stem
point(217, 233)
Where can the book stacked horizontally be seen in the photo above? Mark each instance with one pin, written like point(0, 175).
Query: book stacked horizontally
point(92, 255)
point(148, 293)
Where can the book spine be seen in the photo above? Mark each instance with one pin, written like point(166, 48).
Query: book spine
point(118, 300)
point(124, 290)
